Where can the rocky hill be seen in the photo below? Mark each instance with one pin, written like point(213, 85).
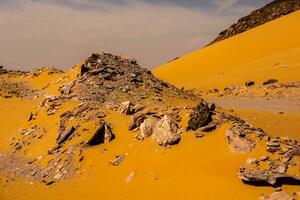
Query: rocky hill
point(111, 123)
point(271, 11)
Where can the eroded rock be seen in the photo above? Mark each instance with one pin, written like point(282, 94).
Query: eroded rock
point(147, 127)
point(166, 132)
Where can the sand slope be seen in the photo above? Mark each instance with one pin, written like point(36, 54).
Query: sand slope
point(269, 51)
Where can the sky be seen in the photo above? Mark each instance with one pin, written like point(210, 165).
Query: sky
point(61, 33)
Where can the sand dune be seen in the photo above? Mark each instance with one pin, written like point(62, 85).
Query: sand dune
point(269, 51)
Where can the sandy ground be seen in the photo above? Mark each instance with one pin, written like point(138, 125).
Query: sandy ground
point(277, 116)
point(260, 103)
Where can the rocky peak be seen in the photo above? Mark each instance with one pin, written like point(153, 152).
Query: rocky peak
point(269, 12)
point(104, 76)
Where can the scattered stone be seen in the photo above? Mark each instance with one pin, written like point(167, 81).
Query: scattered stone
point(117, 161)
point(208, 128)
point(58, 176)
point(54, 149)
point(278, 189)
point(30, 117)
point(50, 182)
point(60, 166)
point(199, 135)
point(18, 146)
point(252, 161)
point(130, 177)
point(264, 158)
point(81, 158)
point(166, 132)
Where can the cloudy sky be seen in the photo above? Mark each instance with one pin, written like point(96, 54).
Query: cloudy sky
point(37, 33)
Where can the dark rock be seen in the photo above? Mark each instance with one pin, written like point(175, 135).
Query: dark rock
point(249, 83)
point(200, 116)
point(18, 146)
point(270, 81)
point(103, 135)
point(30, 117)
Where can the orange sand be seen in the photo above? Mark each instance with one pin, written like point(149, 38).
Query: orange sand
point(268, 51)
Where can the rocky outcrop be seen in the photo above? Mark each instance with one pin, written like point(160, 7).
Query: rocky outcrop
point(200, 115)
point(106, 77)
point(276, 169)
point(166, 132)
point(261, 16)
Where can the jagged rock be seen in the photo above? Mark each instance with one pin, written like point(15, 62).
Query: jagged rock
point(278, 195)
point(103, 135)
point(147, 127)
point(64, 135)
point(126, 108)
point(200, 116)
point(166, 132)
point(270, 81)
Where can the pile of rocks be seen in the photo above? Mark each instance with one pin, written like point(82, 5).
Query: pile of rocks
point(242, 136)
point(106, 77)
point(261, 16)
point(278, 166)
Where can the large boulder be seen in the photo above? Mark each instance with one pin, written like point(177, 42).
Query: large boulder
point(200, 116)
point(147, 127)
point(166, 132)
point(103, 134)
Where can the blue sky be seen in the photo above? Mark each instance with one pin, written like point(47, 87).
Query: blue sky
point(37, 33)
